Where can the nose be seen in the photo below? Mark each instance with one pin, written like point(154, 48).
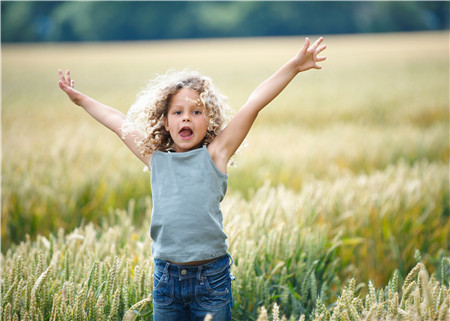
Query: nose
point(186, 117)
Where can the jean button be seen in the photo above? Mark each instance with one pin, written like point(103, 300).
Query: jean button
point(183, 272)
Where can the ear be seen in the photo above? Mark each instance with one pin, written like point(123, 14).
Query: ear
point(166, 123)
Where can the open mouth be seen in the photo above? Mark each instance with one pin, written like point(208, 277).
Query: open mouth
point(186, 133)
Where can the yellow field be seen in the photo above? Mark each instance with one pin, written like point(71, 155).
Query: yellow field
point(354, 156)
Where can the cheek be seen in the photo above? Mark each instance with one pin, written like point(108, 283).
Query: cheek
point(203, 122)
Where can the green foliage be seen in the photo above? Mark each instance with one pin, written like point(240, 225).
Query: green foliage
point(98, 20)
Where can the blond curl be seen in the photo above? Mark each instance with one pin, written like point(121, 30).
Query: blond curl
point(151, 107)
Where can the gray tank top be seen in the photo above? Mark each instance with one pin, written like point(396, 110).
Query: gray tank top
point(187, 189)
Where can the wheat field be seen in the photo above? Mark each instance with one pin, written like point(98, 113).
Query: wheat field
point(338, 208)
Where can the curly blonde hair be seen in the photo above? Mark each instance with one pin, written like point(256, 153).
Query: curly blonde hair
point(151, 107)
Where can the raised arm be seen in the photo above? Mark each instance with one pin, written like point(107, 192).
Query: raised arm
point(229, 140)
point(106, 115)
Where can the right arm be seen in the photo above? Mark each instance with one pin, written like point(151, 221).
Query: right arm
point(107, 116)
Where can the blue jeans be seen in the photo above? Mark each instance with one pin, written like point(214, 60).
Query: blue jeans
point(190, 292)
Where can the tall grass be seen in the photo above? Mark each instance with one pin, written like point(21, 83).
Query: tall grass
point(283, 255)
point(379, 100)
point(88, 274)
point(97, 273)
point(345, 176)
point(419, 298)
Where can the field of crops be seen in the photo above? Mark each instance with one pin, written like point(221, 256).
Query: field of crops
point(340, 193)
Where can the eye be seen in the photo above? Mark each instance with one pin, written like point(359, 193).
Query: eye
point(177, 112)
point(197, 112)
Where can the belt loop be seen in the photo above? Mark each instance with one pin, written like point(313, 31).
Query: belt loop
point(199, 273)
point(230, 262)
point(166, 272)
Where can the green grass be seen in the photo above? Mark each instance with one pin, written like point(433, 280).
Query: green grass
point(345, 174)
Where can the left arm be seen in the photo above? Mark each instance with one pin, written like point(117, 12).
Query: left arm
point(229, 140)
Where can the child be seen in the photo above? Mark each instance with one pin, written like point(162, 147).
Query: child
point(177, 128)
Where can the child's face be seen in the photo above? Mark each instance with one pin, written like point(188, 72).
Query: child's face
point(185, 120)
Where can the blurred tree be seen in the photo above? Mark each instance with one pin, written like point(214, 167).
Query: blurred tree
point(397, 16)
point(26, 21)
point(140, 20)
point(437, 14)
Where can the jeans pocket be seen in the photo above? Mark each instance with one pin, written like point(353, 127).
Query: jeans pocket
point(214, 291)
point(162, 289)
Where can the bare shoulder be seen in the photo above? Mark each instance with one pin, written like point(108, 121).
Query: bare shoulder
point(218, 156)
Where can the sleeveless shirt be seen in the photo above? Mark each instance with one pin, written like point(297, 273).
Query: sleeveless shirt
point(186, 223)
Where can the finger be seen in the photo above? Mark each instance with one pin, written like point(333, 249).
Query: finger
point(62, 77)
point(305, 45)
point(321, 58)
point(62, 80)
point(68, 76)
point(321, 48)
point(60, 74)
point(72, 83)
point(317, 43)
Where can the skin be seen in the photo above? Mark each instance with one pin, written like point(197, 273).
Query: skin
point(227, 142)
point(186, 112)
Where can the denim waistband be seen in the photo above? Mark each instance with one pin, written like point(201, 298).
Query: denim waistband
point(194, 271)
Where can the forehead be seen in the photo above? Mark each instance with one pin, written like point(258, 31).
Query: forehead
point(186, 96)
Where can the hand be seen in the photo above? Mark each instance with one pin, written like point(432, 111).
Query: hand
point(66, 84)
point(307, 57)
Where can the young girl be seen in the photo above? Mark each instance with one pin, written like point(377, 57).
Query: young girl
point(177, 128)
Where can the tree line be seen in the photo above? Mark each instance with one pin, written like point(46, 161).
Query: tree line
point(36, 21)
